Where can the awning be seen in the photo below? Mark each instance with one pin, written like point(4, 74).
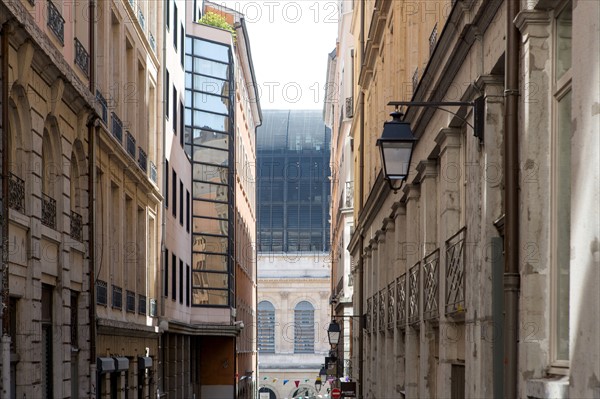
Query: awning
point(105, 364)
point(121, 363)
point(144, 362)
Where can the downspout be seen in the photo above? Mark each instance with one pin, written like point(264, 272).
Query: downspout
point(511, 201)
point(92, 189)
point(361, 187)
point(6, 31)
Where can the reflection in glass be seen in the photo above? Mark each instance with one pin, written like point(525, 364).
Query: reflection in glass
point(212, 192)
point(211, 121)
point(210, 209)
point(211, 85)
point(201, 261)
point(212, 139)
point(209, 297)
point(211, 155)
point(211, 68)
point(211, 173)
point(210, 280)
point(211, 103)
point(210, 226)
point(211, 50)
point(564, 28)
point(204, 243)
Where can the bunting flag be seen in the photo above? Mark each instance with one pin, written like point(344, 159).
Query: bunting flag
point(274, 380)
point(243, 378)
point(285, 381)
point(265, 378)
point(306, 380)
point(297, 383)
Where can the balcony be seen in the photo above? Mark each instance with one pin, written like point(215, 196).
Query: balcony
point(153, 172)
point(56, 22)
point(349, 192)
point(368, 315)
point(141, 18)
point(16, 193)
point(117, 127)
point(48, 211)
point(76, 226)
point(82, 58)
point(413, 294)
point(382, 306)
point(100, 98)
point(349, 107)
point(431, 267)
point(433, 39)
point(375, 312)
point(130, 144)
point(391, 290)
point(415, 79)
point(152, 41)
point(142, 159)
point(152, 307)
point(401, 301)
point(455, 273)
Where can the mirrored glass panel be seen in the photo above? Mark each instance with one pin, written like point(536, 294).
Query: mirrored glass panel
point(210, 280)
point(210, 226)
point(208, 191)
point(212, 262)
point(210, 173)
point(211, 68)
point(211, 50)
point(210, 209)
point(211, 139)
point(211, 85)
point(204, 243)
point(209, 297)
point(211, 103)
point(210, 121)
point(210, 155)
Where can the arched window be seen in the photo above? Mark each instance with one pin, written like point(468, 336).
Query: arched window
point(304, 328)
point(50, 173)
point(266, 327)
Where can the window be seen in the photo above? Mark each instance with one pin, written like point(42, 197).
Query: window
point(166, 282)
point(181, 123)
point(174, 193)
point(47, 349)
point(181, 292)
point(182, 49)
point(168, 16)
point(175, 26)
point(167, 85)
point(187, 285)
point(304, 328)
point(187, 210)
point(561, 192)
point(266, 327)
point(166, 184)
point(180, 202)
point(175, 110)
point(173, 277)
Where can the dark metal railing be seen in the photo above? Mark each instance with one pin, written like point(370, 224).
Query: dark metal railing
point(82, 58)
point(391, 291)
point(56, 22)
point(413, 294)
point(48, 211)
point(455, 273)
point(142, 159)
point(76, 226)
point(153, 172)
point(16, 193)
point(117, 127)
point(415, 79)
point(142, 304)
point(349, 107)
point(117, 297)
point(431, 270)
point(130, 301)
point(401, 301)
point(382, 308)
point(130, 143)
point(104, 106)
point(375, 312)
point(152, 41)
point(433, 39)
point(349, 194)
point(101, 292)
point(368, 315)
point(141, 18)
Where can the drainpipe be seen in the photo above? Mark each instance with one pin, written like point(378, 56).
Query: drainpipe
point(92, 189)
point(361, 188)
point(511, 201)
point(5, 340)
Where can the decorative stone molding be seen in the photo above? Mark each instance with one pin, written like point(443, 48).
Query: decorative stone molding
point(380, 236)
point(448, 138)
point(389, 224)
point(533, 23)
point(426, 169)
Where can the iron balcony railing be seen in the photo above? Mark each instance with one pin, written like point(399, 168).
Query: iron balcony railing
point(391, 297)
point(130, 143)
point(431, 270)
point(48, 211)
point(455, 273)
point(142, 159)
point(375, 312)
point(130, 301)
point(117, 297)
point(349, 191)
point(82, 58)
point(153, 172)
point(16, 192)
point(369, 315)
point(117, 127)
point(433, 39)
point(349, 105)
point(56, 22)
point(401, 301)
point(76, 226)
point(152, 307)
point(141, 18)
point(339, 288)
point(152, 41)
point(413, 294)
point(382, 308)
point(104, 106)
point(415, 79)
point(101, 292)
point(142, 304)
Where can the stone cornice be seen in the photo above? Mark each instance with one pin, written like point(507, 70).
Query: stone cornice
point(533, 23)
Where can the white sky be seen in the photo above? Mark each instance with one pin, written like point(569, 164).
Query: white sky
point(290, 41)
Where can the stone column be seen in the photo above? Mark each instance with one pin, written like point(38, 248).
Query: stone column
point(400, 261)
point(368, 349)
point(390, 263)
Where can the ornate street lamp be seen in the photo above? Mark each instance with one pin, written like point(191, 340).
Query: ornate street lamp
point(396, 147)
point(333, 333)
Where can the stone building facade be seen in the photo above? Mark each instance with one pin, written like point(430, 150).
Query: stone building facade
point(430, 258)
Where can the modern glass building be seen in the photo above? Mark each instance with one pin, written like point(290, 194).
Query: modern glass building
point(210, 146)
point(293, 149)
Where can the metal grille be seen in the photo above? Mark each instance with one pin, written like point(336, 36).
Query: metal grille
point(431, 267)
point(74, 319)
point(153, 172)
point(415, 79)
point(375, 311)
point(142, 304)
point(130, 144)
point(101, 294)
point(391, 302)
point(413, 294)
point(76, 226)
point(16, 192)
point(266, 327)
point(142, 159)
point(130, 301)
point(349, 194)
point(48, 211)
point(401, 300)
point(117, 297)
point(117, 127)
point(382, 308)
point(56, 22)
point(304, 328)
point(349, 107)
point(82, 58)
point(368, 315)
point(433, 39)
point(141, 19)
point(455, 273)
point(152, 42)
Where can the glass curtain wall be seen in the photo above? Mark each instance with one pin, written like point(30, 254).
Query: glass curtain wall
point(209, 145)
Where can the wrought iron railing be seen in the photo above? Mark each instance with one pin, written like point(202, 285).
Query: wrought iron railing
point(413, 294)
point(76, 226)
point(130, 143)
point(48, 211)
point(152, 41)
point(349, 191)
point(153, 172)
point(375, 312)
point(455, 273)
point(369, 315)
point(101, 292)
point(433, 39)
point(349, 107)
point(117, 297)
point(16, 192)
point(431, 271)
point(56, 22)
point(141, 304)
point(130, 301)
point(415, 79)
point(391, 297)
point(117, 127)
point(141, 18)
point(382, 308)
point(104, 106)
point(401, 301)
point(82, 58)
point(142, 159)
